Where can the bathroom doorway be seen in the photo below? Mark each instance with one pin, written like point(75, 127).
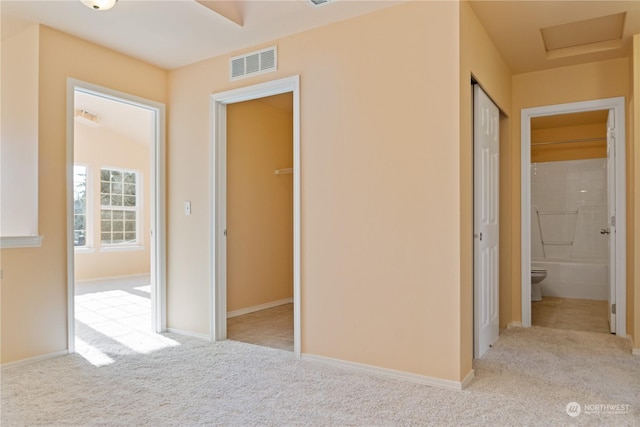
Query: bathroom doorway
point(573, 232)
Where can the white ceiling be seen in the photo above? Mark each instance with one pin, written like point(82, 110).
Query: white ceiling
point(174, 33)
point(132, 122)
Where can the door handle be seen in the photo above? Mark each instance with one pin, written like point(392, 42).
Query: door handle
point(478, 236)
point(605, 231)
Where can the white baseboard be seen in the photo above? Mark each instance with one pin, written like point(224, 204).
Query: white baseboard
point(415, 378)
point(514, 325)
point(36, 359)
point(111, 278)
point(189, 334)
point(260, 307)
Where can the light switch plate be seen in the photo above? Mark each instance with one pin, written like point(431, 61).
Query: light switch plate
point(187, 207)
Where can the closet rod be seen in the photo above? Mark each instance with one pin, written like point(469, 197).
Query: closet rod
point(568, 141)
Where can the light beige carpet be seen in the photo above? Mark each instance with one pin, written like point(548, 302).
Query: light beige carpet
point(527, 378)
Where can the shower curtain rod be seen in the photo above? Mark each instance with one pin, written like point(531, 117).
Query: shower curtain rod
point(568, 141)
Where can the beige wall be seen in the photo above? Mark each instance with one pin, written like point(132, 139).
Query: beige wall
point(380, 190)
point(98, 148)
point(584, 82)
point(259, 204)
point(569, 151)
point(34, 300)
point(633, 292)
point(479, 58)
point(19, 135)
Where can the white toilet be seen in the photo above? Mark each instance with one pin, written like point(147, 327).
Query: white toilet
point(537, 276)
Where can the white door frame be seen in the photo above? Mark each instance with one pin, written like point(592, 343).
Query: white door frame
point(218, 212)
point(158, 204)
point(616, 104)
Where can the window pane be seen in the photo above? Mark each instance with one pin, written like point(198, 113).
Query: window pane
point(79, 238)
point(79, 205)
point(118, 190)
point(129, 200)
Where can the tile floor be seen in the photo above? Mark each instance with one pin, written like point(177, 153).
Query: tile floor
point(574, 314)
point(270, 328)
point(113, 319)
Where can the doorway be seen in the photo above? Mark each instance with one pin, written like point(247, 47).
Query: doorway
point(580, 234)
point(115, 158)
point(221, 225)
point(260, 221)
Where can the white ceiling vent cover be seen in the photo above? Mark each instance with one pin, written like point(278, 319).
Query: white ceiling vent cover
point(254, 63)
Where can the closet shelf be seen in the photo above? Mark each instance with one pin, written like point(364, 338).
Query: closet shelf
point(283, 171)
point(560, 243)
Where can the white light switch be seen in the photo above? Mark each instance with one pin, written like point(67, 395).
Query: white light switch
point(187, 207)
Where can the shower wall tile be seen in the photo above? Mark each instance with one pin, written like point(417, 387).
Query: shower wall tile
point(569, 186)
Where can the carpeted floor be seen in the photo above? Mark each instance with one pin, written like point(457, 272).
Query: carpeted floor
point(527, 378)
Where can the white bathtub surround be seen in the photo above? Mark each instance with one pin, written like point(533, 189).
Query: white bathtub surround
point(568, 210)
point(574, 279)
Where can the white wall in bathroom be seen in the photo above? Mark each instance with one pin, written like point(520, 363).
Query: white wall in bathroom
point(570, 198)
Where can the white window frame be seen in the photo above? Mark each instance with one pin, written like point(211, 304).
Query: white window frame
point(88, 246)
point(138, 244)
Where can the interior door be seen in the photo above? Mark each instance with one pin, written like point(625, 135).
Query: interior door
point(486, 237)
point(611, 186)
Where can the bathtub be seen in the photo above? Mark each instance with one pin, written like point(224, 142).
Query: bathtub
point(574, 278)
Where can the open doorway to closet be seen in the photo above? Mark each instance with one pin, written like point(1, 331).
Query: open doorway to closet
point(116, 265)
point(255, 214)
point(260, 221)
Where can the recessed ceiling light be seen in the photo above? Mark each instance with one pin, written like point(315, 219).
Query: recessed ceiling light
point(99, 4)
point(319, 2)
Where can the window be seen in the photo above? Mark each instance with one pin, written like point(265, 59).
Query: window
point(118, 206)
point(79, 205)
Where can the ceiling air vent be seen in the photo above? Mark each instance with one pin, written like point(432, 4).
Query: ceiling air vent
point(254, 63)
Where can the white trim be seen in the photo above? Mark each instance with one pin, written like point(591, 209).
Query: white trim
point(514, 325)
point(10, 242)
point(616, 104)
point(260, 307)
point(112, 278)
point(120, 248)
point(189, 334)
point(84, 250)
point(158, 203)
point(414, 378)
point(36, 359)
point(217, 246)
